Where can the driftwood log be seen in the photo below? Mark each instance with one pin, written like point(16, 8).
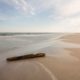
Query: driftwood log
point(28, 56)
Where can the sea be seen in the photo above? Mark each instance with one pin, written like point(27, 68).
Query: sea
point(15, 44)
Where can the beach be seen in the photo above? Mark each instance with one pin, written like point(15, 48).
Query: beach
point(62, 60)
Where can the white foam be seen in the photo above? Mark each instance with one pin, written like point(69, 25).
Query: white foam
point(47, 70)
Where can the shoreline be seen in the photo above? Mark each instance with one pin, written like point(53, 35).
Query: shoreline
point(66, 69)
point(64, 65)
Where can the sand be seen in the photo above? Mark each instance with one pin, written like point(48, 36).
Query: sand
point(65, 67)
point(73, 38)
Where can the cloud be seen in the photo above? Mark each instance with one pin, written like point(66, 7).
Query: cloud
point(70, 8)
point(59, 7)
point(23, 6)
point(67, 16)
point(64, 13)
point(20, 5)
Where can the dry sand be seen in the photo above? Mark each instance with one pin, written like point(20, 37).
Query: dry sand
point(73, 38)
point(48, 68)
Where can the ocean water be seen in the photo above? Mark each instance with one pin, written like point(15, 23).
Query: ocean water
point(12, 44)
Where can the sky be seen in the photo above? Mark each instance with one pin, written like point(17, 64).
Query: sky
point(39, 15)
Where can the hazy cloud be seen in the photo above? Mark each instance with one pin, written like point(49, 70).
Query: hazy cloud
point(65, 13)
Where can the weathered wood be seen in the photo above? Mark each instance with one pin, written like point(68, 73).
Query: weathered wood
point(28, 56)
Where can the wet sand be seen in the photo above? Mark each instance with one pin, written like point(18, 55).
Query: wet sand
point(63, 66)
point(66, 68)
point(24, 70)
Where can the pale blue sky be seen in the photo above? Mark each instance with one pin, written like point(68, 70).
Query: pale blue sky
point(39, 15)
